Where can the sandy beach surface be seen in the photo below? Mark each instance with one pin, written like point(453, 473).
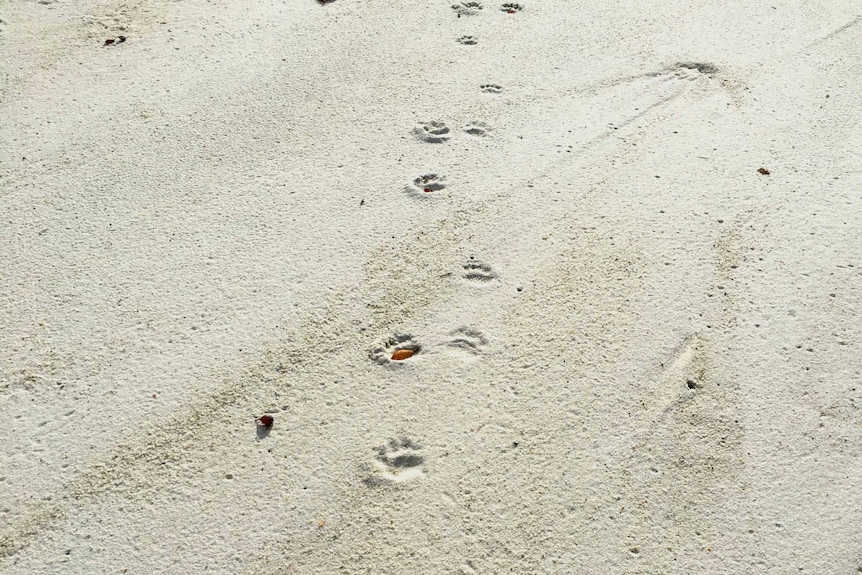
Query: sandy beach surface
point(623, 242)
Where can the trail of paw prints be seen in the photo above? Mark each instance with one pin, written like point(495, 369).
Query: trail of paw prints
point(468, 40)
point(400, 460)
point(478, 273)
point(511, 7)
point(433, 132)
point(491, 88)
point(467, 8)
point(396, 350)
point(427, 184)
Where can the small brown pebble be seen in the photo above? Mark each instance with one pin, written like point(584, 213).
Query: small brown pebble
point(763, 171)
point(266, 420)
point(402, 354)
point(321, 524)
point(109, 41)
point(427, 190)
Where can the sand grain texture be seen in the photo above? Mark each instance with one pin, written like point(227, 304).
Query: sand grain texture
point(632, 352)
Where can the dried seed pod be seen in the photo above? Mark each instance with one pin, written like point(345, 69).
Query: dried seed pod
point(266, 420)
point(402, 354)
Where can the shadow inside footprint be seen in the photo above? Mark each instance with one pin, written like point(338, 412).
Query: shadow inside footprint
point(467, 8)
point(476, 129)
point(427, 184)
point(479, 272)
point(702, 67)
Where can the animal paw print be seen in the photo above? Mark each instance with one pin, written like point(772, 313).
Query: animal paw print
point(397, 461)
point(477, 129)
point(467, 8)
point(397, 349)
point(468, 40)
point(432, 132)
point(478, 272)
point(511, 8)
point(491, 88)
point(427, 184)
point(467, 340)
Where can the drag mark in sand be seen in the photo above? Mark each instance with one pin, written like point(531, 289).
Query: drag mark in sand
point(681, 376)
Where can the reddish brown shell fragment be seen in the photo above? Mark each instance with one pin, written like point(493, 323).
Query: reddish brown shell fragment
point(266, 421)
point(402, 354)
point(763, 171)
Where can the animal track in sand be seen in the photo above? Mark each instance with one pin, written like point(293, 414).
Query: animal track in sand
point(686, 71)
point(467, 8)
point(467, 340)
point(427, 184)
point(431, 132)
point(478, 129)
point(700, 67)
point(468, 40)
point(396, 346)
point(478, 272)
point(491, 88)
point(397, 461)
point(684, 374)
point(511, 7)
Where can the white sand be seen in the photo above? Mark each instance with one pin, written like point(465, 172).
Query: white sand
point(636, 353)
